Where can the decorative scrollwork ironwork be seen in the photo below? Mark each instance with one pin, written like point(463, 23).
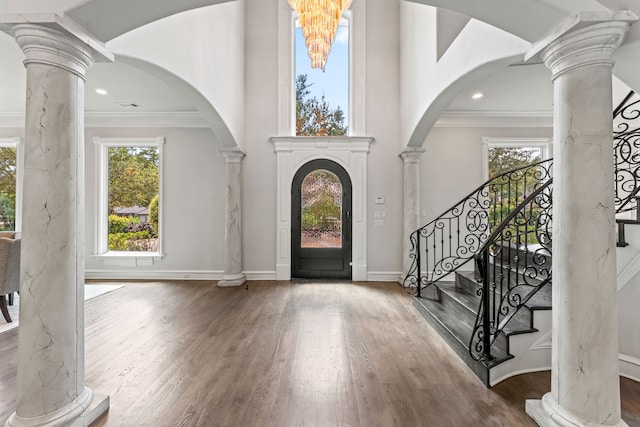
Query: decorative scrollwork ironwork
point(626, 153)
point(514, 263)
point(453, 238)
point(512, 269)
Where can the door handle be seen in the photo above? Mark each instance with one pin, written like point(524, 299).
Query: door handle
point(348, 226)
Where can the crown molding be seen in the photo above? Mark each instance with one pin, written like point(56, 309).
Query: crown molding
point(95, 119)
point(495, 119)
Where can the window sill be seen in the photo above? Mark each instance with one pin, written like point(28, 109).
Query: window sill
point(129, 259)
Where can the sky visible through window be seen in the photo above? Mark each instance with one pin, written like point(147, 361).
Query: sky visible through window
point(334, 82)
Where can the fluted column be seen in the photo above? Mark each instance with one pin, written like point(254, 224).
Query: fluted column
point(585, 383)
point(51, 389)
point(411, 203)
point(233, 275)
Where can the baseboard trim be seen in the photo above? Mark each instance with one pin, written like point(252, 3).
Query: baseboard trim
point(629, 272)
point(153, 275)
point(260, 275)
point(138, 274)
point(629, 367)
point(493, 382)
point(383, 276)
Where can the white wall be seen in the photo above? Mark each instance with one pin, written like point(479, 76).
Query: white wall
point(383, 123)
point(205, 48)
point(628, 300)
point(451, 166)
point(194, 197)
point(261, 122)
point(429, 85)
point(418, 53)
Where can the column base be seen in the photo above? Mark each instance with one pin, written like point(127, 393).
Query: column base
point(547, 413)
point(230, 280)
point(80, 413)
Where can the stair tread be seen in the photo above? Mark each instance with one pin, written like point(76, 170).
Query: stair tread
point(469, 301)
point(539, 301)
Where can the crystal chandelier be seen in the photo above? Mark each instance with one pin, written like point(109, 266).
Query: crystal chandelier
point(319, 20)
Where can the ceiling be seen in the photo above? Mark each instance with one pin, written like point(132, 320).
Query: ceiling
point(125, 85)
point(518, 88)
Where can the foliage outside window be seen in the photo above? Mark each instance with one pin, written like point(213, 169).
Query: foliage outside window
point(322, 97)
point(316, 117)
point(130, 195)
point(8, 184)
point(506, 198)
point(321, 210)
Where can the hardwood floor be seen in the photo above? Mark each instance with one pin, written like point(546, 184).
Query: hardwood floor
point(282, 354)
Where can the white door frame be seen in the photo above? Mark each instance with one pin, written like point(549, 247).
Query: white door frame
point(350, 153)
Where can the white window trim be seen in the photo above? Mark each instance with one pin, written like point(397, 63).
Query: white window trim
point(19, 146)
point(356, 17)
point(102, 221)
point(546, 145)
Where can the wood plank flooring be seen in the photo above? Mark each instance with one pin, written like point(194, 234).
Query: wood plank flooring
point(282, 354)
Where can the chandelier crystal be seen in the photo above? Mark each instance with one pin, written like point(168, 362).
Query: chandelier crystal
point(319, 20)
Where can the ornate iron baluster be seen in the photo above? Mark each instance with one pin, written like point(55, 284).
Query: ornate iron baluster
point(529, 273)
point(498, 266)
point(626, 153)
point(474, 217)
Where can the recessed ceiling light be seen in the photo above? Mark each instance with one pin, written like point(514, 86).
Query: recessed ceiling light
point(101, 91)
point(477, 95)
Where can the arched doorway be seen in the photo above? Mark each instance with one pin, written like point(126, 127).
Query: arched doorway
point(321, 221)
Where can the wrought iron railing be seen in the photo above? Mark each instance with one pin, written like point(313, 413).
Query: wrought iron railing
point(514, 263)
point(453, 238)
point(511, 268)
point(626, 153)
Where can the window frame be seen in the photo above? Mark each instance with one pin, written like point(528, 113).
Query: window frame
point(287, 18)
point(102, 200)
point(18, 144)
point(544, 143)
point(345, 21)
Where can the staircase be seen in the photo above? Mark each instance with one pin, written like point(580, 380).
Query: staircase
point(497, 316)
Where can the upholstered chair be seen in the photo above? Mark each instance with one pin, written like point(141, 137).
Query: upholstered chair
point(9, 272)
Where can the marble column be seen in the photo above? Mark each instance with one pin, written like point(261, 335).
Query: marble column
point(51, 389)
point(585, 381)
point(233, 275)
point(411, 203)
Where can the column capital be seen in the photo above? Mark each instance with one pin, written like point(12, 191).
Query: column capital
point(56, 41)
point(412, 155)
point(587, 38)
point(233, 155)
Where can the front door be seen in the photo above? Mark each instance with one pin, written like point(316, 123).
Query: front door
point(321, 221)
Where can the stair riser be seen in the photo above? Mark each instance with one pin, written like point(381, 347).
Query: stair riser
point(469, 286)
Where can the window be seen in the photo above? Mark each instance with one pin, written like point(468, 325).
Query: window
point(508, 191)
point(322, 97)
point(321, 195)
point(10, 184)
point(502, 155)
point(130, 196)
